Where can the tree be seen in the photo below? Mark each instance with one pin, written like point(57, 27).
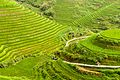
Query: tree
point(46, 9)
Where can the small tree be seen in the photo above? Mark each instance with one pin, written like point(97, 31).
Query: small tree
point(46, 8)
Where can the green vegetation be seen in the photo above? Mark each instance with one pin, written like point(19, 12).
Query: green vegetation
point(107, 38)
point(42, 7)
point(44, 68)
point(94, 49)
point(23, 33)
point(12, 78)
point(114, 34)
point(81, 15)
point(102, 19)
point(72, 10)
point(32, 47)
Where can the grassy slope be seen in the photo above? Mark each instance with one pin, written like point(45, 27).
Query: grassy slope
point(24, 68)
point(42, 67)
point(67, 10)
point(28, 67)
point(107, 56)
point(89, 43)
point(72, 10)
point(17, 19)
point(91, 50)
point(104, 18)
point(82, 15)
point(92, 14)
point(114, 34)
point(28, 3)
point(24, 32)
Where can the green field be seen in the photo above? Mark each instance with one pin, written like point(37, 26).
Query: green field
point(44, 68)
point(95, 49)
point(112, 34)
point(95, 15)
point(34, 34)
point(23, 32)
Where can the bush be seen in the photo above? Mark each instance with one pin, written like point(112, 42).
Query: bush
point(49, 13)
point(46, 8)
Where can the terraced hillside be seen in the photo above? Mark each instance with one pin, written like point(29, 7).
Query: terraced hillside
point(106, 17)
point(72, 10)
point(32, 47)
point(103, 47)
point(104, 42)
point(111, 38)
point(23, 32)
point(82, 15)
point(44, 68)
point(66, 11)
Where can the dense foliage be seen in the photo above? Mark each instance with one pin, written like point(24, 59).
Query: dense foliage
point(33, 47)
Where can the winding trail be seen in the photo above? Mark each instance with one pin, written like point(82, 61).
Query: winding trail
point(87, 65)
point(79, 38)
point(94, 66)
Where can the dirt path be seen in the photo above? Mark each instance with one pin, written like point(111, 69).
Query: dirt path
point(87, 65)
point(93, 66)
point(79, 38)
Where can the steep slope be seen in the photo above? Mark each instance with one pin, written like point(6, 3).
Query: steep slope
point(102, 47)
point(70, 11)
point(23, 32)
point(67, 10)
point(81, 15)
point(106, 17)
point(43, 68)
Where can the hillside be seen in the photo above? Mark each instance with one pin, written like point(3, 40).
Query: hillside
point(43, 68)
point(23, 32)
point(93, 54)
point(82, 16)
point(103, 47)
point(35, 44)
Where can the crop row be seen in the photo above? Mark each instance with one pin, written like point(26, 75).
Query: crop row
point(24, 32)
point(89, 46)
point(108, 41)
point(89, 19)
point(47, 39)
point(57, 70)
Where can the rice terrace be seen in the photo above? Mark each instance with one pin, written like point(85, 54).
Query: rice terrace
point(59, 39)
